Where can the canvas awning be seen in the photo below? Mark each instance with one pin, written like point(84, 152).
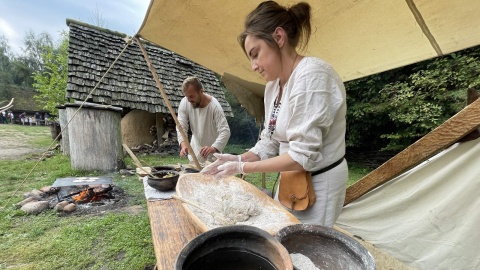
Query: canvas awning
point(358, 38)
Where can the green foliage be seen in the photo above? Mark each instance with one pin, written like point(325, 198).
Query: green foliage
point(242, 126)
point(51, 82)
point(35, 47)
point(5, 64)
point(391, 110)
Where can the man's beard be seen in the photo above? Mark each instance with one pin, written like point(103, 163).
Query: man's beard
point(197, 103)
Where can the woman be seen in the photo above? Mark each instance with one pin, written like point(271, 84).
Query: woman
point(304, 110)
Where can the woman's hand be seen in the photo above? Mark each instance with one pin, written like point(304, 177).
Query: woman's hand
point(229, 168)
point(213, 169)
point(221, 169)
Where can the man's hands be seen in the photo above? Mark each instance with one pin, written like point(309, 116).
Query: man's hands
point(183, 150)
point(207, 150)
point(204, 151)
point(224, 166)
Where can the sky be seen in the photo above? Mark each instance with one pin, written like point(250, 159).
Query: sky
point(19, 16)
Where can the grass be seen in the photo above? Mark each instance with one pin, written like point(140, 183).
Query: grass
point(113, 240)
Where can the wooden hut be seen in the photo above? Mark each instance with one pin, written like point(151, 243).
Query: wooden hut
point(129, 83)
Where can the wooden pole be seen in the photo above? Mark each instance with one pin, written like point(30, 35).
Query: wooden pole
point(167, 102)
point(9, 105)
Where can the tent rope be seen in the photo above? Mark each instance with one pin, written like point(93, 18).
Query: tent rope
point(128, 41)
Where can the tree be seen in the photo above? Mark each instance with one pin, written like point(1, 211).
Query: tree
point(35, 47)
point(391, 110)
point(51, 80)
point(5, 64)
point(242, 126)
point(5, 69)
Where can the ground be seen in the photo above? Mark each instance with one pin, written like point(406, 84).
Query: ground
point(14, 145)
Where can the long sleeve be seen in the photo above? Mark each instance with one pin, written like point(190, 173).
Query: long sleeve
point(222, 127)
point(182, 119)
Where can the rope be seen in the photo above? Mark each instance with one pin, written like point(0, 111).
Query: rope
point(128, 41)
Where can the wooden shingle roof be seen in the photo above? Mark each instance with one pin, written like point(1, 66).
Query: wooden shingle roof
point(129, 83)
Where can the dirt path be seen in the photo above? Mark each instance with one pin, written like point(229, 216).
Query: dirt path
point(15, 143)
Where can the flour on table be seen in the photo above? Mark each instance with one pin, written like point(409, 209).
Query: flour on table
point(302, 262)
point(230, 204)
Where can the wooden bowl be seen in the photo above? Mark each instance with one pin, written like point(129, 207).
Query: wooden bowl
point(165, 180)
point(210, 194)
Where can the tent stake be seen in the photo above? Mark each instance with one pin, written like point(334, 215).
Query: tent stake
point(167, 102)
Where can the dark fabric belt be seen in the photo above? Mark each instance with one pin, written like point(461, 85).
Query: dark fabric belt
point(329, 167)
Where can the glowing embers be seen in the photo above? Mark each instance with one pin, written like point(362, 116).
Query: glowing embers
point(93, 194)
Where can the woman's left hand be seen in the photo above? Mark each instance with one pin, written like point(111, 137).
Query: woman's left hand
point(229, 168)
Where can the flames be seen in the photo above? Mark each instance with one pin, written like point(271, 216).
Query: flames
point(91, 194)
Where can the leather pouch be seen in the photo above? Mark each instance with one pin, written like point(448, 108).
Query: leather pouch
point(296, 190)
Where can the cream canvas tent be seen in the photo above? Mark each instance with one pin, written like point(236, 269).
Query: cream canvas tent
point(361, 38)
point(358, 38)
point(428, 216)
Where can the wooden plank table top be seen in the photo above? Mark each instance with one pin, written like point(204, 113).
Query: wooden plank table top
point(171, 231)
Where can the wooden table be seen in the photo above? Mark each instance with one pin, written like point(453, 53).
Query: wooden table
point(171, 230)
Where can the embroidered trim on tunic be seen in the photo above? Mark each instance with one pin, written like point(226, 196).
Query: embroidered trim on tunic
point(273, 118)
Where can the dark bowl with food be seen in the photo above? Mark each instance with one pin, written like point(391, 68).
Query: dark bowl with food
point(191, 170)
point(163, 168)
point(163, 180)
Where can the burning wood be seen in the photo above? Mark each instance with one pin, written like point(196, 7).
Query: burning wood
point(92, 194)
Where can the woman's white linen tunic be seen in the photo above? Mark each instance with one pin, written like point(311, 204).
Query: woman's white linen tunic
point(310, 127)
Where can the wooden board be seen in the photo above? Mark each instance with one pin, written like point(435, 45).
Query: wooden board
point(171, 231)
point(192, 187)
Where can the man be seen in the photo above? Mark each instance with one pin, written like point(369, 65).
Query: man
point(37, 119)
point(206, 119)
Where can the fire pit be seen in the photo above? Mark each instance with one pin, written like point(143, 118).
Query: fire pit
point(86, 192)
point(78, 195)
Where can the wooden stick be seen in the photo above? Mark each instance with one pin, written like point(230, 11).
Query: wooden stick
point(8, 106)
point(167, 102)
point(136, 161)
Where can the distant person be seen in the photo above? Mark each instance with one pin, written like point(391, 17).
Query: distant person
point(45, 117)
point(37, 119)
point(22, 117)
point(204, 115)
point(4, 118)
point(11, 117)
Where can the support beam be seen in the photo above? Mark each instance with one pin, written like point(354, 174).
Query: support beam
point(167, 102)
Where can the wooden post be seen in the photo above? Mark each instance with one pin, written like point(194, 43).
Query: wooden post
point(167, 102)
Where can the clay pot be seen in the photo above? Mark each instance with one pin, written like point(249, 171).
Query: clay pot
point(191, 170)
point(161, 182)
point(326, 247)
point(163, 168)
point(237, 247)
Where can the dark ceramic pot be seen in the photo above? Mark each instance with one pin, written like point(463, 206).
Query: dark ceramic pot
point(326, 247)
point(161, 182)
point(163, 168)
point(191, 170)
point(237, 247)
